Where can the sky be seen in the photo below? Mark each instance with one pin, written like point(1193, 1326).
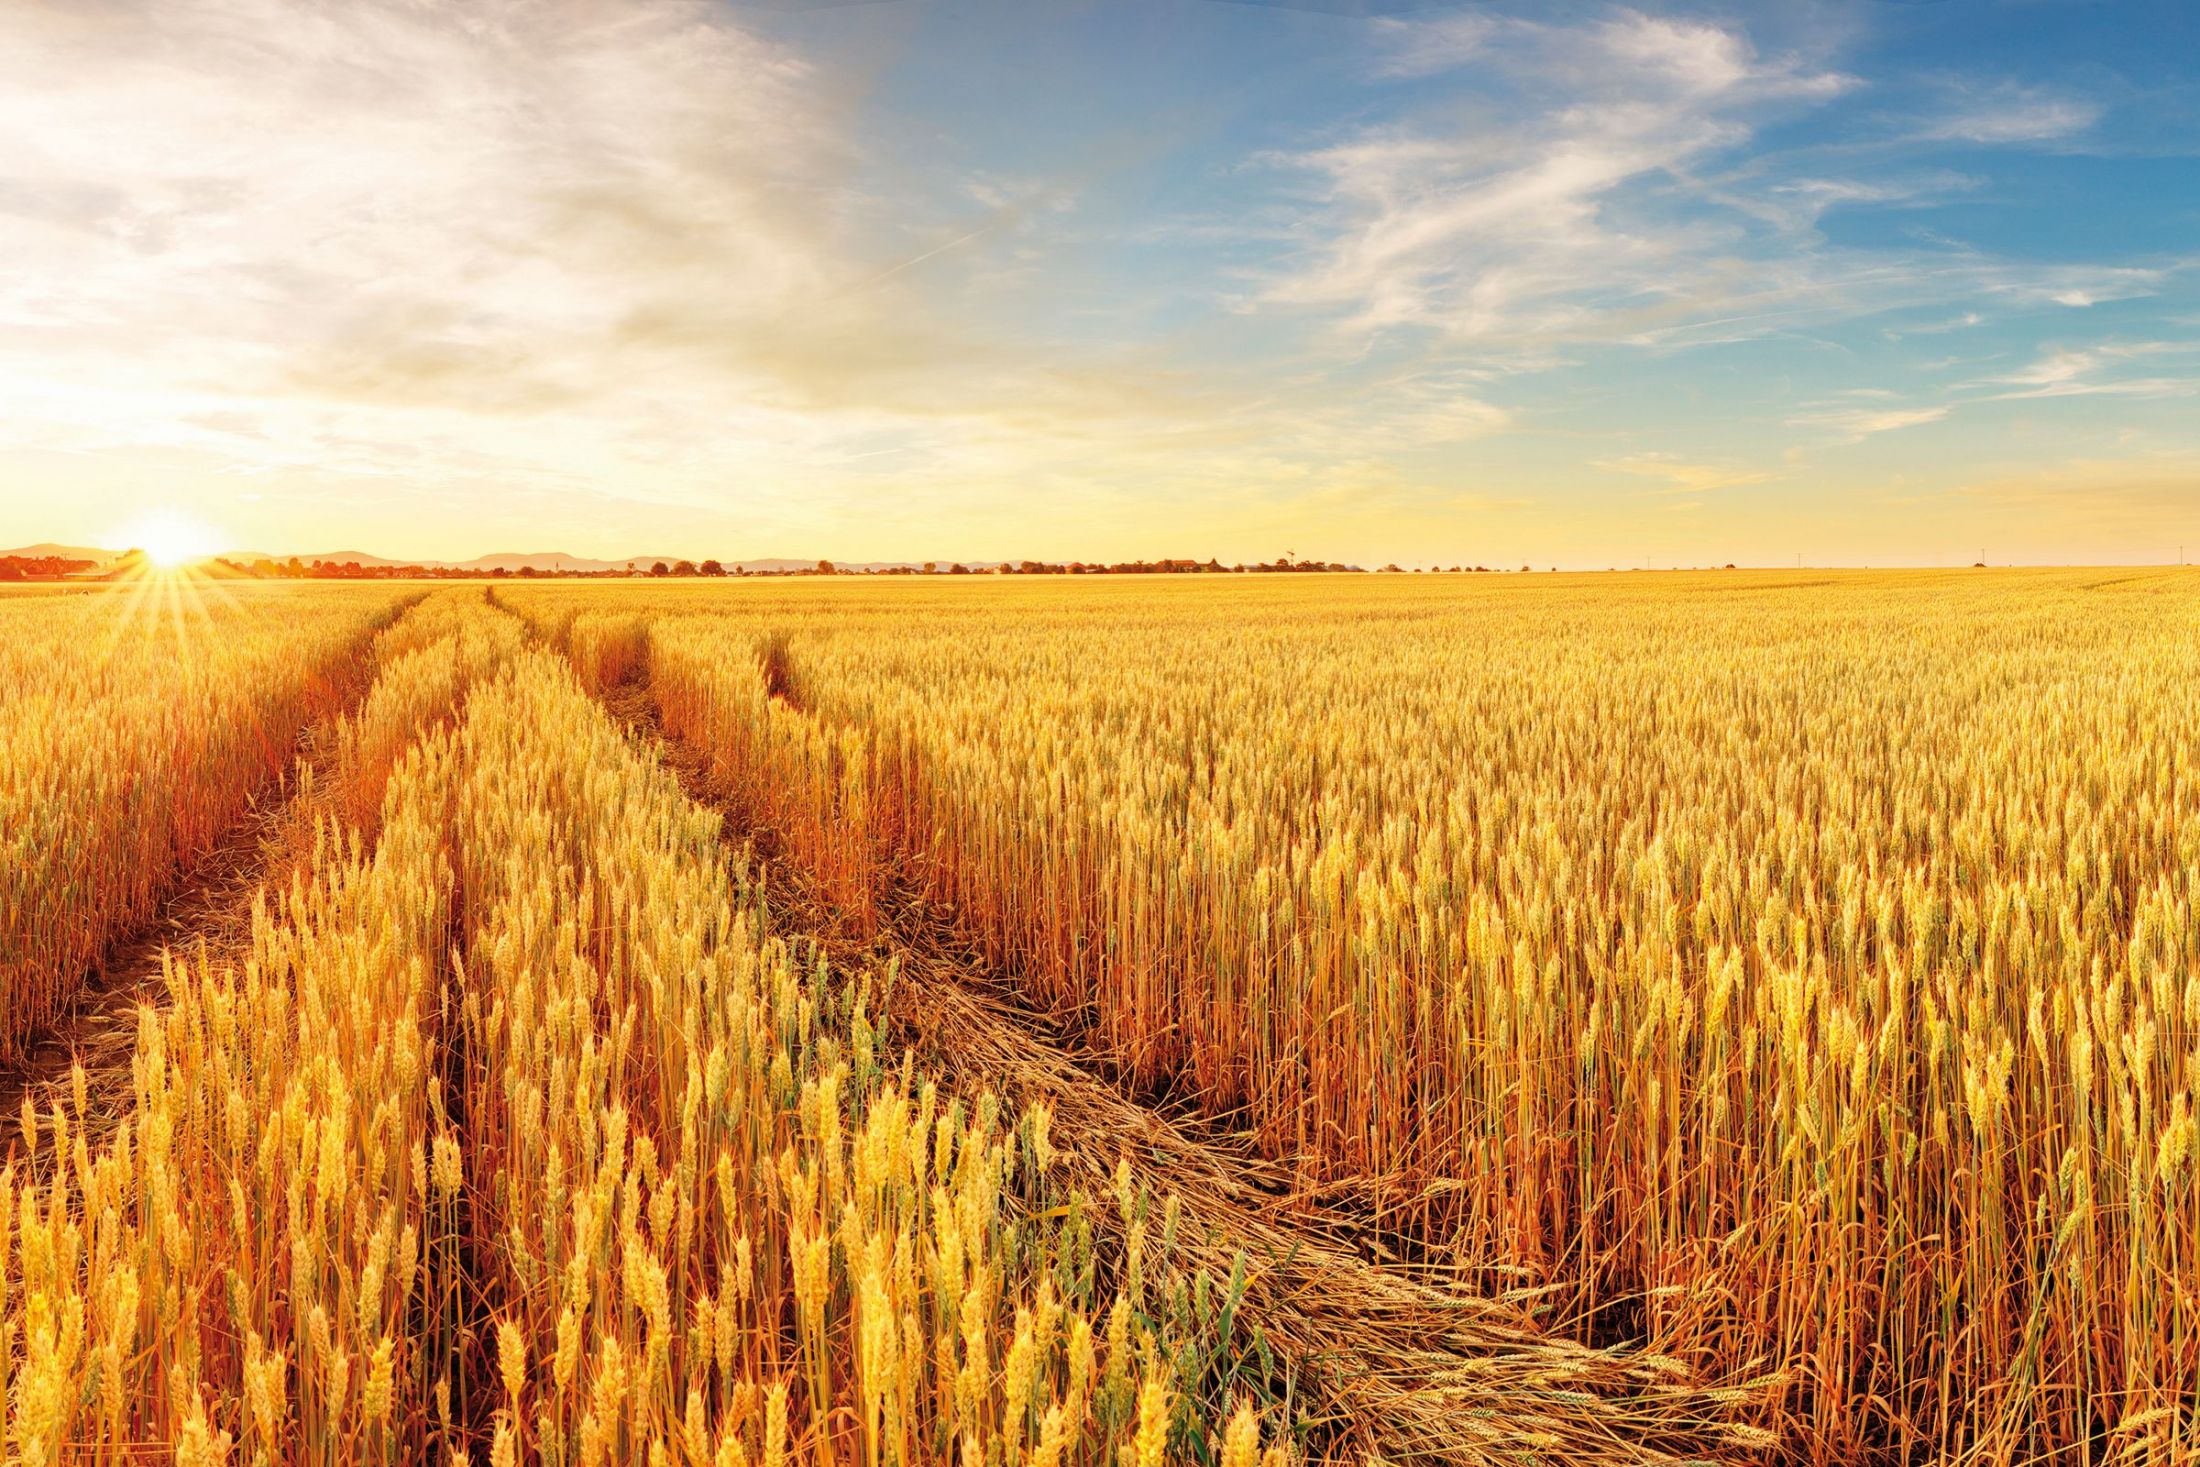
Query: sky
point(1579, 285)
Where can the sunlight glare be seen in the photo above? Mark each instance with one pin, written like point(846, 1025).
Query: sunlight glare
point(171, 539)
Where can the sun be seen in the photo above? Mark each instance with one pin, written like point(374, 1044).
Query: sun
point(170, 538)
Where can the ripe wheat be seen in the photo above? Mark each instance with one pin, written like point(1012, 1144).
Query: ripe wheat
point(511, 1133)
point(135, 726)
point(1803, 976)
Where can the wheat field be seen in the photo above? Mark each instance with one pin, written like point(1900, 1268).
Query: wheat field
point(1768, 1003)
point(508, 1134)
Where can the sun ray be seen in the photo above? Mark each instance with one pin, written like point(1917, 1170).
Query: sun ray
point(172, 540)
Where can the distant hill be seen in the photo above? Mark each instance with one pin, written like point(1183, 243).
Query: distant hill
point(337, 557)
point(504, 560)
point(509, 560)
point(63, 552)
point(557, 560)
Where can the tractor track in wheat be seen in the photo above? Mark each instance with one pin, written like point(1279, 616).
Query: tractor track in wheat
point(206, 915)
point(1393, 1364)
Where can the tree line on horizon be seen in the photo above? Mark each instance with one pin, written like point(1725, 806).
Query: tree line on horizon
point(54, 568)
point(41, 567)
point(296, 569)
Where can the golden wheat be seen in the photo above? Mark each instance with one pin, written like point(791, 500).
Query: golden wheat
point(511, 1133)
point(1802, 975)
point(135, 726)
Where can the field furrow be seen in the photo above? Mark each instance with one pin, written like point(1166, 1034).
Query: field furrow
point(1396, 1365)
point(1791, 977)
point(227, 1259)
point(141, 727)
point(341, 763)
point(647, 1030)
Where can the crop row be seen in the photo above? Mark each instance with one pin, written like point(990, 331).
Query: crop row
point(513, 1135)
point(138, 726)
point(1802, 979)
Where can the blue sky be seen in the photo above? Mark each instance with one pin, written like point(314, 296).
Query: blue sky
point(1583, 285)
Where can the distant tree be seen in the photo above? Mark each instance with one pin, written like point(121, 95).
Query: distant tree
point(660, 569)
point(931, 567)
point(684, 568)
point(825, 568)
point(711, 568)
point(958, 569)
point(1392, 568)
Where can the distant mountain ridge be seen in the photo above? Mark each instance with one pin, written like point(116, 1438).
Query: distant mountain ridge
point(509, 560)
point(63, 552)
point(504, 560)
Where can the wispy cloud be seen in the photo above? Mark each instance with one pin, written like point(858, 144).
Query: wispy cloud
point(2056, 367)
point(2100, 370)
point(1679, 476)
point(2009, 113)
point(333, 215)
point(1536, 226)
point(1854, 425)
point(1600, 183)
point(1964, 322)
point(2095, 372)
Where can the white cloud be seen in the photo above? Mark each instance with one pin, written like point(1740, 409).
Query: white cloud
point(1962, 322)
point(1598, 183)
point(1540, 223)
point(1854, 425)
point(2010, 114)
point(1800, 203)
point(340, 221)
point(1679, 475)
point(2056, 366)
point(2056, 372)
point(1426, 47)
point(2091, 372)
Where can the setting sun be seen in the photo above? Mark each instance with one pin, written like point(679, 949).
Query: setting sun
point(171, 539)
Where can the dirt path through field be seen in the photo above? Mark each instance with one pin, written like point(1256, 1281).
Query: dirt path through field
point(1393, 1367)
point(208, 911)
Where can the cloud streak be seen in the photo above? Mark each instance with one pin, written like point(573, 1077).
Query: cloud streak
point(371, 210)
point(2010, 113)
point(1512, 232)
point(1601, 185)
